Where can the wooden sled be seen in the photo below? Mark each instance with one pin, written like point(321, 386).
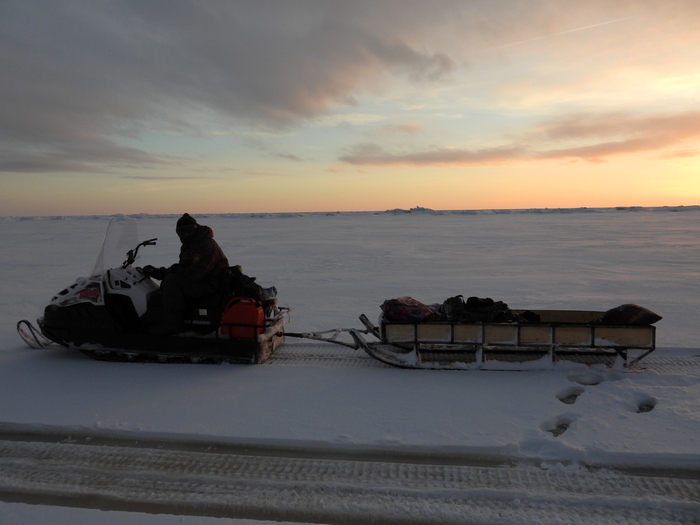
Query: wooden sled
point(559, 336)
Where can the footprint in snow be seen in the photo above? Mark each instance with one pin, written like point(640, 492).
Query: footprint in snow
point(643, 403)
point(558, 425)
point(570, 395)
point(587, 378)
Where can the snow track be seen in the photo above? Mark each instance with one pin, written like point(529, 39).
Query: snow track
point(324, 354)
point(323, 486)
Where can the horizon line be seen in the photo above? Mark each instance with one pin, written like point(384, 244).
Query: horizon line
point(338, 212)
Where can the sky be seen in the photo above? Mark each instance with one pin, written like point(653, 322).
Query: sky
point(214, 106)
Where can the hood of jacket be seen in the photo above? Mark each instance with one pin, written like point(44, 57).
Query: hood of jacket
point(201, 233)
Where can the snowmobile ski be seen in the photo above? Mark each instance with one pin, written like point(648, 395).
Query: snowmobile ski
point(33, 336)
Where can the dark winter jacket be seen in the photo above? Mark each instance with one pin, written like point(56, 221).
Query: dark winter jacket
point(201, 257)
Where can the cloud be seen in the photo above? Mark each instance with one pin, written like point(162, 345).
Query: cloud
point(79, 70)
point(674, 126)
point(164, 178)
point(682, 153)
point(289, 156)
point(621, 133)
point(61, 156)
point(592, 138)
point(78, 77)
point(408, 128)
point(373, 154)
point(257, 144)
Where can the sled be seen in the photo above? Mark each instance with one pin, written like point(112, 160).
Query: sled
point(559, 336)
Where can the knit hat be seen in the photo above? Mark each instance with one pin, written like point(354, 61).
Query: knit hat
point(186, 226)
point(185, 220)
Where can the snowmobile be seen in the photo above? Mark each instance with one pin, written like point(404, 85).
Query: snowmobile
point(108, 315)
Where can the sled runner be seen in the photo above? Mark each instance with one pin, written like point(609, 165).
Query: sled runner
point(107, 316)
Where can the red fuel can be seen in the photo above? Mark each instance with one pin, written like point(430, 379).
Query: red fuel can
point(243, 318)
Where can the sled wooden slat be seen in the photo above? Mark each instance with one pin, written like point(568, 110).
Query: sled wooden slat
point(630, 336)
point(535, 335)
point(573, 336)
point(466, 333)
point(434, 333)
point(500, 334)
point(399, 333)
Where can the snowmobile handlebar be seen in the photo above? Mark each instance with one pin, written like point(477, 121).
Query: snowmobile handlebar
point(132, 254)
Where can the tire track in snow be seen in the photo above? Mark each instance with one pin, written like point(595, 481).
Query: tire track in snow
point(320, 354)
point(296, 486)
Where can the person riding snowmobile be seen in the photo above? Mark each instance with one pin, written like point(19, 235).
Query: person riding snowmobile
point(197, 273)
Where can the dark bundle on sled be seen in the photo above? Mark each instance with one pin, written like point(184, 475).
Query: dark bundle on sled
point(408, 310)
point(628, 314)
point(238, 284)
point(482, 310)
point(453, 310)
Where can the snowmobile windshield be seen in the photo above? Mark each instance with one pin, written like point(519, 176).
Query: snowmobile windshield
point(122, 236)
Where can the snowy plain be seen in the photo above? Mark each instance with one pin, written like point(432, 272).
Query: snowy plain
point(332, 267)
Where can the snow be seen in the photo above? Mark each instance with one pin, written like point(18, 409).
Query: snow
point(330, 268)
point(21, 514)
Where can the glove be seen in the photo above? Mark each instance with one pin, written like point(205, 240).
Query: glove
point(156, 273)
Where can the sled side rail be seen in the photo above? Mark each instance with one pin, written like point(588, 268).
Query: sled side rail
point(521, 334)
point(557, 339)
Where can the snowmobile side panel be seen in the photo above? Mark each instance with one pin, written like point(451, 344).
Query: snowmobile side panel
point(188, 347)
point(83, 322)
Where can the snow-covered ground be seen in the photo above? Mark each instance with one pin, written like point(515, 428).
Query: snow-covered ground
point(330, 268)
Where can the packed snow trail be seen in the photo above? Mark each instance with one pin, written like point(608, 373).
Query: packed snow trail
point(326, 354)
point(299, 485)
